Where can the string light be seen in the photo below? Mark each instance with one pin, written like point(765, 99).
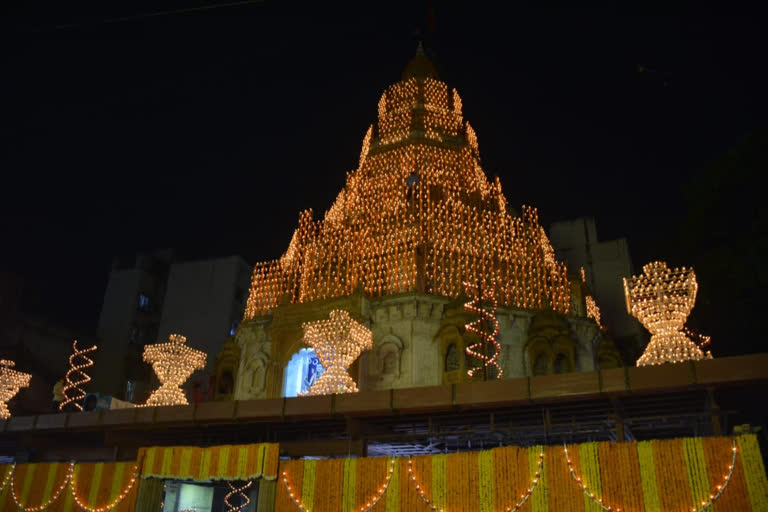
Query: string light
point(662, 299)
point(244, 499)
point(73, 393)
point(418, 214)
point(704, 504)
point(369, 504)
point(593, 311)
point(337, 342)
point(512, 508)
point(8, 475)
point(53, 497)
point(11, 381)
point(173, 362)
point(476, 305)
point(120, 497)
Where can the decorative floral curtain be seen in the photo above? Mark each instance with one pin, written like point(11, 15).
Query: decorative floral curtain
point(226, 462)
point(676, 475)
point(65, 487)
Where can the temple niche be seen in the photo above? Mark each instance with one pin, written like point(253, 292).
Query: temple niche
point(254, 362)
point(414, 221)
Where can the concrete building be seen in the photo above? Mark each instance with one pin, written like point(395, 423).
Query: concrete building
point(152, 296)
point(605, 264)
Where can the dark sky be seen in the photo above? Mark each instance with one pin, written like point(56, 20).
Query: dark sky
point(210, 130)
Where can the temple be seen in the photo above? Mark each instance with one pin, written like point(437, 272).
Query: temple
point(360, 379)
point(415, 223)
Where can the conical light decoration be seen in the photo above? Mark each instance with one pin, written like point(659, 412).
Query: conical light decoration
point(11, 381)
point(173, 362)
point(76, 377)
point(662, 298)
point(337, 342)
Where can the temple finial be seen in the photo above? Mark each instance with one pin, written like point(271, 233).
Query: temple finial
point(420, 66)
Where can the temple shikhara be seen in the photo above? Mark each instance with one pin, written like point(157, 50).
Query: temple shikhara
point(418, 347)
point(416, 220)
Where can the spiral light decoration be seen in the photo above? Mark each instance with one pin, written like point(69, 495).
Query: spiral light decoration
point(76, 377)
point(476, 305)
point(237, 491)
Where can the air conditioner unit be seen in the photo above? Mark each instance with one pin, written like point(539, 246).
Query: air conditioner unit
point(99, 402)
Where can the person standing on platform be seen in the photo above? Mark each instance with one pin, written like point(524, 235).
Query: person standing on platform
point(58, 394)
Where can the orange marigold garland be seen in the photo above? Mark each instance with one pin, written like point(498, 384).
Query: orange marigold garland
point(477, 306)
point(370, 503)
point(511, 508)
point(704, 506)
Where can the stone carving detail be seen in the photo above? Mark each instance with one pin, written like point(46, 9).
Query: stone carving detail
point(254, 363)
point(386, 367)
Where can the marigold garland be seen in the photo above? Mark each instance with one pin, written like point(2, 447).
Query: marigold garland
point(631, 477)
point(369, 504)
point(484, 472)
point(705, 504)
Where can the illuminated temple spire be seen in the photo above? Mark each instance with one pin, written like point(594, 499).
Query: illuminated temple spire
point(419, 66)
point(418, 214)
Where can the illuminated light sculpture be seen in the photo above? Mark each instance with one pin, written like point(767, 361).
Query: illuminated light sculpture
point(337, 342)
point(419, 215)
point(237, 491)
point(173, 362)
point(662, 298)
point(11, 381)
point(76, 377)
point(593, 311)
point(483, 295)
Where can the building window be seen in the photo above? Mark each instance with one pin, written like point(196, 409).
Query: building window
point(562, 364)
point(452, 358)
point(143, 302)
point(540, 365)
point(302, 371)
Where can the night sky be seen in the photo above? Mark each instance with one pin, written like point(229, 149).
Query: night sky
point(209, 130)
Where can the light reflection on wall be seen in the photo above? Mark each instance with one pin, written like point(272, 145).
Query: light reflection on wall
point(301, 372)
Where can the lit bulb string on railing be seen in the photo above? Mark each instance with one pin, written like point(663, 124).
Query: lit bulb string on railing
point(245, 500)
point(72, 387)
point(365, 508)
point(704, 504)
point(512, 508)
point(7, 477)
point(69, 479)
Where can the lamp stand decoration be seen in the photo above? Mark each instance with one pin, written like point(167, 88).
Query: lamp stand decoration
point(173, 362)
point(662, 298)
point(337, 342)
point(11, 381)
point(486, 321)
point(76, 377)
point(238, 491)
